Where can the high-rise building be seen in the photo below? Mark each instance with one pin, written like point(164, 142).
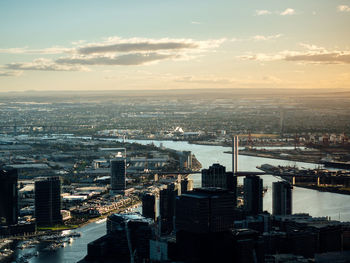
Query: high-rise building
point(118, 174)
point(127, 240)
point(205, 210)
point(167, 200)
point(149, 206)
point(216, 176)
point(253, 194)
point(48, 200)
point(8, 197)
point(281, 198)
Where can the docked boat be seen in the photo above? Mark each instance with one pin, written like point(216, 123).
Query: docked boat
point(335, 164)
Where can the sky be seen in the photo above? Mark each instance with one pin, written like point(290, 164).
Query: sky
point(174, 44)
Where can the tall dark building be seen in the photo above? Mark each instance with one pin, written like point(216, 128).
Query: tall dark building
point(216, 176)
point(118, 174)
point(48, 200)
point(205, 210)
point(253, 194)
point(281, 198)
point(8, 197)
point(204, 223)
point(149, 206)
point(127, 240)
point(167, 200)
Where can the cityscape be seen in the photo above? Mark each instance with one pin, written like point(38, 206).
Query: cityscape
point(163, 196)
point(174, 131)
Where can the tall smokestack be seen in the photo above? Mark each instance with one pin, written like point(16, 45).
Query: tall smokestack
point(234, 154)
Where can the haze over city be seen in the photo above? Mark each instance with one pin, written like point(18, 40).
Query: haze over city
point(141, 45)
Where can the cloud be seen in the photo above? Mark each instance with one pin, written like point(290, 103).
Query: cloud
point(312, 47)
point(132, 47)
point(10, 73)
point(327, 58)
point(228, 81)
point(206, 80)
point(119, 45)
point(312, 54)
point(261, 57)
point(114, 51)
point(44, 51)
point(124, 60)
point(265, 38)
point(257, 38)
point(196, 23)
point(262, 12)
point(343, 8)
point(45, 65)
point(288, 11)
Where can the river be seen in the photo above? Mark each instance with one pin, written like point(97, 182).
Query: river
point(315, 203)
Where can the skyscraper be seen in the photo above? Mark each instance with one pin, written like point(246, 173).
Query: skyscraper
point(48, 200)
point(281, 198)
point(8, 197)
point(149, 206)
point(253, 194)
point(216, 176)
point(167, 199)
point(205, 210)
point(118, 174)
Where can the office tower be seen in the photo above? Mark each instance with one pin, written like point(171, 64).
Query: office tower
point(167, 199)
point(216, 176)
point(127, 240)
point(118, 174)
point(48, 200)
point(186, 185)
point(253, 195)
point(149, 206)
point(8, 197)
point(205, 210)
point(281, 198)
point(204, 223)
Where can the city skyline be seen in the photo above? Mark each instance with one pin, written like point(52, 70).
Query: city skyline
point(118, 45)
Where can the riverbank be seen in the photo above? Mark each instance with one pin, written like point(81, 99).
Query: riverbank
point(287, 155)
point(328, 189)
point(124, 209)
point(42, 231)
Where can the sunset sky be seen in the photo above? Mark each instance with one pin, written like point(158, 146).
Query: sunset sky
point(174, 44)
